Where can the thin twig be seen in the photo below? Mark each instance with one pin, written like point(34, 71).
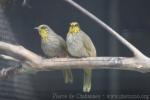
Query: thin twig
point(135, 51)
point(6, 57)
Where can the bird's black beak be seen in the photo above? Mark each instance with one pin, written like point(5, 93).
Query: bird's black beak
point(36, 28)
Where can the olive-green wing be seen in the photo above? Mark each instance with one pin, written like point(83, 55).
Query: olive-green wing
point(63, 45)
point(88, 44)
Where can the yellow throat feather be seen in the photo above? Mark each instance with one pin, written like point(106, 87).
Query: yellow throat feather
point(43, 31)
point(74, 28)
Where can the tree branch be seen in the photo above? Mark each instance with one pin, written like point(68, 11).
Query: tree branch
point(30, 60)
point(19, 52)
point(135, 51)
point(37, 62)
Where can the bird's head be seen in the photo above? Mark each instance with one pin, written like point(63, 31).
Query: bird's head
point(43, 31)
point(74, 28)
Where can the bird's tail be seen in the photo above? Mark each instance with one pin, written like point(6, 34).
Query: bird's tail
point(87, 80)
point(68, 77)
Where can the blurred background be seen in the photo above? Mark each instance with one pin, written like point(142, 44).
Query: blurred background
point(131, 18)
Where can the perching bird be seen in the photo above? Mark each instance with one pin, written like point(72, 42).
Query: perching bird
point(80, 45)
point(54, 45)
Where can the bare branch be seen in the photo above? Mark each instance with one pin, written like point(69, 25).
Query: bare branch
point(39, 63)
point(135, 51)
point(19, 52)
point(121, 63)
point(30, 60)
point(6, 57)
